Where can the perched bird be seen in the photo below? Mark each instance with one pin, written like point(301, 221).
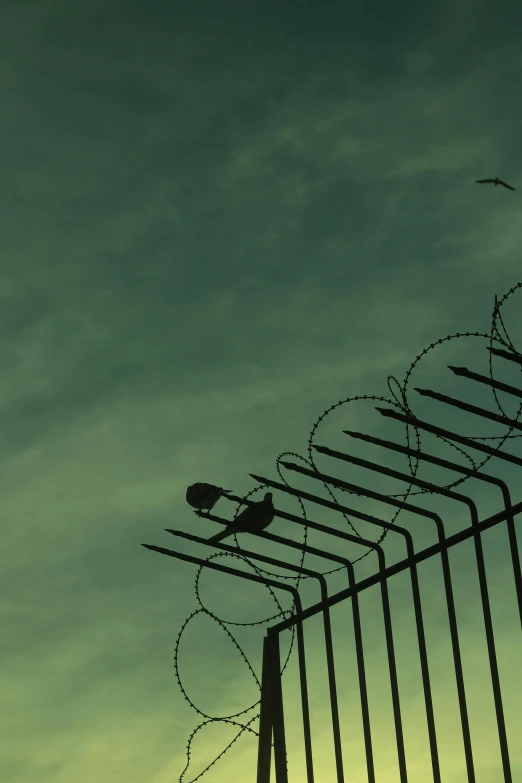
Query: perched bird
point(496, 182)
point(257, 517)
point(204, 496)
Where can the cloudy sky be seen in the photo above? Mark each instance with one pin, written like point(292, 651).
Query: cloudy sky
point(217, 220)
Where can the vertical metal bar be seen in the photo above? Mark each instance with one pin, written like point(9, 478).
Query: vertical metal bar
point(304, 703)
point(457, 665)
point(264, 752)
point(332, 687)
point(361, 672)
point(278, 722)
point(392, 666)
point(515, 557)
point(490, 640)
point(425, 673)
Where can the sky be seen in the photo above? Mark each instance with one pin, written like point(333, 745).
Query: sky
point(218, 220)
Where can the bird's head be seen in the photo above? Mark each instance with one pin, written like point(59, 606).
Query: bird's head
point(268, 497)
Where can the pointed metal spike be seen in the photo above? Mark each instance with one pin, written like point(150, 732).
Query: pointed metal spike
point(322, 449)
point(257, 478)
point(457, 370)
point(352, 433)
point(509, 355)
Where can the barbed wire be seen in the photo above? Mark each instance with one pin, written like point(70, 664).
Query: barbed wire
point(399, 399)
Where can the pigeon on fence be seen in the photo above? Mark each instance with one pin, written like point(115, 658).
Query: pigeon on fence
point(204, 496)
point(257, 517)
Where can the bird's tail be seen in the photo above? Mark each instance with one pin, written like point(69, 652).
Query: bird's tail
point(220, 536)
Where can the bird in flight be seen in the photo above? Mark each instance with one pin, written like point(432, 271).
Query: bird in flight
point(257, 517)
point(496, 182)
point(204, 496)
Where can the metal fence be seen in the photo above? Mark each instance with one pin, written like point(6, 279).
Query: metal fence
point(271, 731)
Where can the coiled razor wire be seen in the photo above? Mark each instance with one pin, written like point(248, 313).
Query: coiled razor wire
point(399, 399)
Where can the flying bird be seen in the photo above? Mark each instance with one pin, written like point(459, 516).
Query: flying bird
point(257, 517)
point(204, 496)
point(496, 182)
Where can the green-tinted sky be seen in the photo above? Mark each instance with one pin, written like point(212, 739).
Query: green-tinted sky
point(219, 217)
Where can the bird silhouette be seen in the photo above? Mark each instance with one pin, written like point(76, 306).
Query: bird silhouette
point(496, 182)
point(204, 496)
point(257, 517)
